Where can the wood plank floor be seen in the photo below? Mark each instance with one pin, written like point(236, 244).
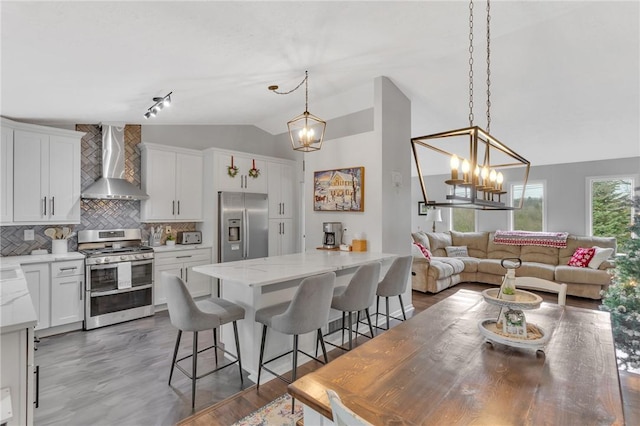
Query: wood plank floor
point(118, 375)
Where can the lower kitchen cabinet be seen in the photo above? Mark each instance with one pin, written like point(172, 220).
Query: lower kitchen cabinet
point(17, 374)
point(67, 292)
point(181, 262)
point(38, 278)
point(57, 292)
point(281, 239)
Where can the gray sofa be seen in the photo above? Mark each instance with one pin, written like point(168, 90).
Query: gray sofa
point(484, 256)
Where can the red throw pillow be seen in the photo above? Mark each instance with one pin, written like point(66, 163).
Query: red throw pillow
point(426, 253)
point(582, 257)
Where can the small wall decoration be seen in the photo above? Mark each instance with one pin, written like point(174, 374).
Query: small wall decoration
point(232, 170)
point(339, 190)
point(253, 172)
point(422, 208)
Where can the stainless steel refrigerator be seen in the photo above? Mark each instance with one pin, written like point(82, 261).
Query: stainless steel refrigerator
point(243, 226)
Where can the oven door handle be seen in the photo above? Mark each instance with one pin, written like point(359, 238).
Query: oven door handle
point(124, 290)
point(114, 264)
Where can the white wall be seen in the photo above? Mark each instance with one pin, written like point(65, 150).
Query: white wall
point(566, 199)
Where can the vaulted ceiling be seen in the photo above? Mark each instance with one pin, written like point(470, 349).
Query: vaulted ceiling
point(565, 82)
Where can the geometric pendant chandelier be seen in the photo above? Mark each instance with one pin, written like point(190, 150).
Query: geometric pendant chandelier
point(306, 131)
point(477, 160)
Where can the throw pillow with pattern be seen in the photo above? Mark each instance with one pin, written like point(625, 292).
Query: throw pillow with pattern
point(425, 251)
point(581, 257)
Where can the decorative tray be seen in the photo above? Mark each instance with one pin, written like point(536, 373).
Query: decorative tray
point(536, 336)
point(524, 299)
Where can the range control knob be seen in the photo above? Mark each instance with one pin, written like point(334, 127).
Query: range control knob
point(123, 257)
point(98, 260)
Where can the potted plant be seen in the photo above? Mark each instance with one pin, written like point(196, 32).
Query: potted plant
point(509, 293)
point(171, 240)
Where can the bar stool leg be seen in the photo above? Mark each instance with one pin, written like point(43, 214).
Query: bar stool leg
point(343, 315)
point(350, 321)
point(235, 333)
point(387, 301)
point(215, 344)
point(324, 349)
point(402, 307)
point(194, 370)
point(264, 336)
point(366, 311)
point(295, 366)
point(377, 309)
point(175, 355)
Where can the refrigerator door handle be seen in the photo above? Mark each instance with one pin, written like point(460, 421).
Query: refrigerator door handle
point(246, 233)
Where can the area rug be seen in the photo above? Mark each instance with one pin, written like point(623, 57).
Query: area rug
point(275, 413)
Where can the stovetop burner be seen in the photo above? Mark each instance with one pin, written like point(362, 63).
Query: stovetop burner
point(113, 246)
point(112, 250)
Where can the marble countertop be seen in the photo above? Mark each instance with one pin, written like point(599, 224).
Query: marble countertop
point(41, 258)
point(275, 269)
point(16, 308)
point(179, 247)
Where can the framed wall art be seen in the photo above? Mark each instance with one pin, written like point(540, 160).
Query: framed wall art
point(422, 208)
point(339, 190)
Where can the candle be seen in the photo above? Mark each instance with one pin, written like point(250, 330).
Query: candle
point(465, 170)
point(485, 175)
point(492, 177)
point(454, 167)
point(499, 180)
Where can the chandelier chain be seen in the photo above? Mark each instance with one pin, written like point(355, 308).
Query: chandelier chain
point(471, 63)
point(306, 76)
point(488, 66)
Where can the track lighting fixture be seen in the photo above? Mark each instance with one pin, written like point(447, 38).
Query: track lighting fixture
point(160, 103)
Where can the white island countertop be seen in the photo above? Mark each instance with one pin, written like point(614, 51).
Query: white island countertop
point(276, 269)
point(16, 308)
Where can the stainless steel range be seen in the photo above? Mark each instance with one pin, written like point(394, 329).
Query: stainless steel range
point(119, 276)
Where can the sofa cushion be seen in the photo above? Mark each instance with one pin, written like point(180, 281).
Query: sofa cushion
point(538, 270)
point(491, 266)
point(421, 237)
point(470, 264)
point(573, 242)
point(501, 251)
point(581, 257)
point(442, 267)
point(539, 254)
point(601, 255)
point(437, 243)
point(476, 242)
point(571, 274)
point(456, 251)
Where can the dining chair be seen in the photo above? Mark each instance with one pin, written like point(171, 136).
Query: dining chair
point(343, 415)
point(209, 314)
point(534, 283)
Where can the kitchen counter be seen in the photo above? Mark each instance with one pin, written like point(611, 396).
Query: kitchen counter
point(16, 308)
point(41, 258)
point(179, 247)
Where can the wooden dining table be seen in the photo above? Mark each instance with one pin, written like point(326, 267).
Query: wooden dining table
point(437, 369)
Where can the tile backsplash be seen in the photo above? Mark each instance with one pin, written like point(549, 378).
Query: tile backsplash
point(94, 214)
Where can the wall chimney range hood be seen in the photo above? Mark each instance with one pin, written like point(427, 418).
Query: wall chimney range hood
point(112, 185)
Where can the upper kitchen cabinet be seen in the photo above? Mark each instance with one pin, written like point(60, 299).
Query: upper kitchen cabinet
point(281, 189)
point(46, 170)
point(173, 179)
point(6, 176)
point(240, 173)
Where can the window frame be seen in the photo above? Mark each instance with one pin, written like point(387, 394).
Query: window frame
point(589, 195)
point(512, 213)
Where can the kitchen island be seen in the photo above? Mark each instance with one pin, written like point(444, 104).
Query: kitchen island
point(258, 283)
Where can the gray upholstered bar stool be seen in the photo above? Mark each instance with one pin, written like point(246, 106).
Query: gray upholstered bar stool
point(393, 284)
point(187, 315)
point(307, 311)
point(357, 296)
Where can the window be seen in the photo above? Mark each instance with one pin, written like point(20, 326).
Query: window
point(463, 220)
point(532, 215)
point(610, 207)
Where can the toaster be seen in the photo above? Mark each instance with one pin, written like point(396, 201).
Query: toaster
point(189, 237)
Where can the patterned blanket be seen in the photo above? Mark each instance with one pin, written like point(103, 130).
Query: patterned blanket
point(527, 238)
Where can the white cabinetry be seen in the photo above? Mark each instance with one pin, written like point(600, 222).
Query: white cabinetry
point(242, 181)
point(16, 374)
point(46, 172)
point(281, 239)
point(39, 285)
point(6, 177)
point(173, 179)
point(67, 292)
point(181, 263)
point(281, 188)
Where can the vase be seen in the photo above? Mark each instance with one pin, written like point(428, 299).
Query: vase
point(59, 246)
point(170, 242)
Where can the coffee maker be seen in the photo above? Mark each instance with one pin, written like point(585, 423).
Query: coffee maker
point(332, 235)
